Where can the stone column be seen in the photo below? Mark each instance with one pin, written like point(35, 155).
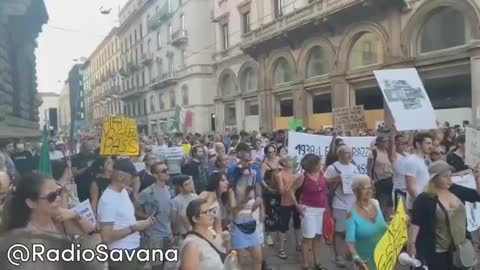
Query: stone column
point(264, 110)
point(340, 92)
point(300, 103)
point(475, 66)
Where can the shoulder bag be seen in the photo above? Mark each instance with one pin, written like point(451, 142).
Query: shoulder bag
point(464, 255)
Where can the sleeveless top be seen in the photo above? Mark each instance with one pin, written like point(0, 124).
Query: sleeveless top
point(314, 193)
point(209, 258)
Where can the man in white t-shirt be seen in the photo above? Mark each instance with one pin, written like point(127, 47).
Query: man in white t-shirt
point(402, 152)
point(116, 214)
point(415, 167)
point(339, 175)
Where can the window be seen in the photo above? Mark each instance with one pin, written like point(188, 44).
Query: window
point(169, 2)
point(322, 103)
point(225, 37)
point(170, 32)
point(144, 106)
point(318, 62)
point(159, 68)
point(279, 4)
point(367, 50)
point(370, 98)
point(286, 107)
point(184, 53)
point(171, 64)
point(135, 34)
point(185, 95)
point(161, 104)
point(228, 85)
point(230, 115)
point(444, 29)
point(249, 80)
point(246, 22)
point(251, 108)
point(172, 99)
point(182, 22)
point(282, 72)
point(149, 47)
point(159, 40)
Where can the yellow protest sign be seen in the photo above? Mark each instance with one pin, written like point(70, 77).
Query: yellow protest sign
point(186, 148)
point(392, 242)
point(119, 137)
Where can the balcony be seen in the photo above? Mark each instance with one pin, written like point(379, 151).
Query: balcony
point(295, 19)
point(147, 59)
point(113, 91)
point(132, 67)
point(163, 14)
point(165, 79)
point(179, 37)
point(123, 72)
point(132, 92)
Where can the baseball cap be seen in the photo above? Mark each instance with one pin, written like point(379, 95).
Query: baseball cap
point(439, 168)
point(126, 166)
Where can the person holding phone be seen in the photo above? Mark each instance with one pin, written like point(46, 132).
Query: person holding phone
point(156, 201)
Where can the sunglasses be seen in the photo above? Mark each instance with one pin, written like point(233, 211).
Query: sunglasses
point(52, 196)
point(438, 153)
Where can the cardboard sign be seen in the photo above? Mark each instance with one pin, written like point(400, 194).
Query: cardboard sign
point(300, 144)
point(472, 147)
point(84, 209)
point(119, 137)
point(407, 99)
point(392, 242)
point(472, 209)
point(349, 118)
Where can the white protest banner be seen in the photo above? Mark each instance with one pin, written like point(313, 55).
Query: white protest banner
point(472, 147)
point(300, 144)
point(472, 209)
point(172, 153)
point(84, 209)
point(407, 99)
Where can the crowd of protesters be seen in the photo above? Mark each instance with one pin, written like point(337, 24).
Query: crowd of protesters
point(243, 192)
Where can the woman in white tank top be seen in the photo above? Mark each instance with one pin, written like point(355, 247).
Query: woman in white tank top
point(202, 248)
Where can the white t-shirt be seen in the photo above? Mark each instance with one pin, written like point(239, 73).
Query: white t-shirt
point(415, 167)
point(341, 200)
point(398, 172)
point(117, 208)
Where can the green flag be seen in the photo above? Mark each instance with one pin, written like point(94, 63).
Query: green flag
point(179, 120)
point(45, 166)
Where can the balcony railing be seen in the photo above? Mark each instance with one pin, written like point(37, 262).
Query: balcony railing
point(296, 18)
point(165, 79)
point(132, 67)
point(147, 58)
point(123, 72)
point(179, 37)
point(163, 14)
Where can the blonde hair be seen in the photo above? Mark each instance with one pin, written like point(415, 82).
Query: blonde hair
point(358, 182)
point(432, 187)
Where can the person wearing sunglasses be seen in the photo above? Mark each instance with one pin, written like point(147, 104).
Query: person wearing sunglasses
point(156, 201)
point(36, 205)
point(203, 249)
point(365, 224)
point(438, 153)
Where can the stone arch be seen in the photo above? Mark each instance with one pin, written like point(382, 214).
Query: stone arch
point(305, 53)
point(287, 55)
point(352, 35)
point(245, 66)
point(411, 32)
point(226, 72)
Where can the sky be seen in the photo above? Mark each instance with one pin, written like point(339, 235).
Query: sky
point(74, 30)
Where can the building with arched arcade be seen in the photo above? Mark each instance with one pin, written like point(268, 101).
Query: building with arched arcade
point(278, 59)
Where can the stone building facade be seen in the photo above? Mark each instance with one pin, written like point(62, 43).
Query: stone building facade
point(316, 55)
point(20, 23)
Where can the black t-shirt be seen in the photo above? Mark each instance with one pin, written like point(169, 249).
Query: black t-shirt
point(24, 162)
point(456, 162)
point(199, 172)
point(146, 180)
point(84, 180)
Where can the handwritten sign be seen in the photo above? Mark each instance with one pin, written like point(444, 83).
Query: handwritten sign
point(172, 153)
point(472, 147)
point(472, 209)
point(300, 144)
point(349, 118)
point(84, 209)
point(393, 241)
point(120, 137)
